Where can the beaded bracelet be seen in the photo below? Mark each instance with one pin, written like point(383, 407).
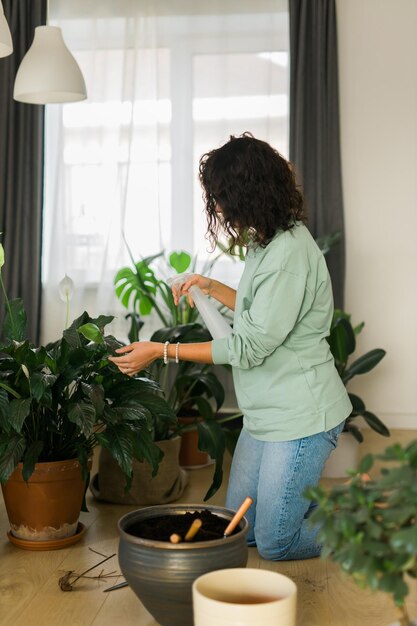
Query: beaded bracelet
point(177, 352)
point(166, 344)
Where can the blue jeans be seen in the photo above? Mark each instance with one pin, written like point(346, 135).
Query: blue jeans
point(275, 474)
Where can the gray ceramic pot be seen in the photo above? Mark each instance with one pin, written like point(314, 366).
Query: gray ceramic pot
point(161, 573)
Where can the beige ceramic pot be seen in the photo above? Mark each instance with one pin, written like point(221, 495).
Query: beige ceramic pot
point(244, 597)
point(167, 486)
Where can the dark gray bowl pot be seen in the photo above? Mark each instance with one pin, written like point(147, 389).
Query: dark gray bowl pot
point(161, 573)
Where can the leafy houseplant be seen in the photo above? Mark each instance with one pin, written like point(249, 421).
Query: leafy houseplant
point(369, 526)
point(191, 389)
point(342, 342)
point(60, 400)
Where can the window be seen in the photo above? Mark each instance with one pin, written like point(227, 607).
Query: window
point(122, 166)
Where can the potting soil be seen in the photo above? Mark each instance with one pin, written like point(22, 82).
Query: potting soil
point(161, 528)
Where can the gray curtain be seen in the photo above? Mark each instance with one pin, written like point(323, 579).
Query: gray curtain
point(314, 124)
point(21, 170)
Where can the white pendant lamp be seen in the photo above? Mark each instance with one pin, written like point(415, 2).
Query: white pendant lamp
point(48, 72)
point(6, 44)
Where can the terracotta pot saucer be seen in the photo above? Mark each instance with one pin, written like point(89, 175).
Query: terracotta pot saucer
point(52, 544)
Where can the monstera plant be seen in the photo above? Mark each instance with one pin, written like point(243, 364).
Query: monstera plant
point(191, 389)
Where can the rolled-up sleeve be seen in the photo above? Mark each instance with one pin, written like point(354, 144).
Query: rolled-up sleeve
point(260, 329)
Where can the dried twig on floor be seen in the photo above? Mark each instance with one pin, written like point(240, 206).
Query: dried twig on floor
point(67, 581)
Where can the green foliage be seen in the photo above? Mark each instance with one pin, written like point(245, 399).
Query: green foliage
point(369, 526)
point(60, 400)
point(191, 389)
point(342, 342)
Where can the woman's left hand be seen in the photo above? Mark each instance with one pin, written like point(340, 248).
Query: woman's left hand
point(136, 356)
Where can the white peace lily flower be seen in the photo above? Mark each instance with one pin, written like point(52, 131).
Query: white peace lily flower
point(25, 371)
point(66, 289)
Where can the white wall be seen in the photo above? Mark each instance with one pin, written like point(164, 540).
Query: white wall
point(378, 99)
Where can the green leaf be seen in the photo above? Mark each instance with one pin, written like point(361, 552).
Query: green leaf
point(135, 325)
point(124, 295)
point(144, 449)
point(358, 329)
point(96, 394)
point(327, 242)
point(357, 404)
point(405, 539)
point(232, 435)
point(19, 410)
point(213, 387)
point(91, 332)
point(395, 585)
point(354, 430)
point(30, 458)
point(15, 326)
point(341, 340)
point(202, 405)
point(40, 385)
point(4, 410)
point(102, 320)
point(145, 305)
point(366, 464)
point(365, 363)
point(12, 448)
point(84, 416)
point(375, 423)
point(132, 413)
point(71, 334)
point(211, 439)
point(118, 440)
point(180, 261)
point(9, 389)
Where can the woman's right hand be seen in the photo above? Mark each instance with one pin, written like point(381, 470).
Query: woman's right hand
point(203, 282)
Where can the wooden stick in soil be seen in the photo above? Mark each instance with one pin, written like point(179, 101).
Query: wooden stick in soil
point(238, 516)
point(193, 530)
point(174, 538)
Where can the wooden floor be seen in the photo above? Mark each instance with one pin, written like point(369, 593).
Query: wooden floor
point(30, 595)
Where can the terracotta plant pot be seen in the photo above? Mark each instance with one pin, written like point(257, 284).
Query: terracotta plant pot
point(48, 506)
point(190, 455)
point(161, 574)
point(167, 486)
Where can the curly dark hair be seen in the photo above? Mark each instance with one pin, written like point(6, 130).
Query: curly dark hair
point(254, 188)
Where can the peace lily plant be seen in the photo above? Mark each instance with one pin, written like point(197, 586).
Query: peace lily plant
point(59, 401)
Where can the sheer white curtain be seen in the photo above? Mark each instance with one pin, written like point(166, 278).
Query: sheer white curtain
point(166, 81)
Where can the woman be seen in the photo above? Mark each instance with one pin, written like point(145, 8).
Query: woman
point(293, 402)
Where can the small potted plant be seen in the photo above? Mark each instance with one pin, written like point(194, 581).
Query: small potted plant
point(57, 402)
point(368, 525)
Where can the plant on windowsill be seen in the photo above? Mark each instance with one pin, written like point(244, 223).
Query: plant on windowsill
point(192, 390)
point(369, 526)
point(57, 403)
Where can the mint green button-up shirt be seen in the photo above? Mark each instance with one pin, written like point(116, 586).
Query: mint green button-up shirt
point(286, 383)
